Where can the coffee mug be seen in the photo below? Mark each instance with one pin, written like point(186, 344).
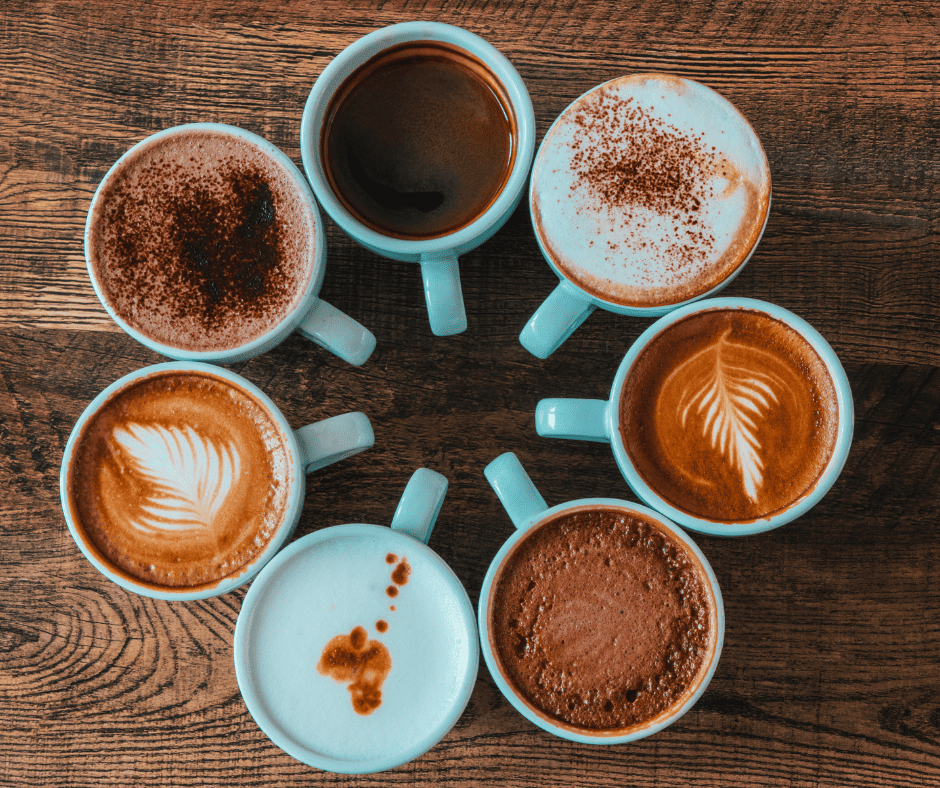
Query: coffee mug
point(232, 254)
point(417, 140)
point(600, 621)
point(182, 480)
point(731, 416)
point(648, 192)
point(356, 649)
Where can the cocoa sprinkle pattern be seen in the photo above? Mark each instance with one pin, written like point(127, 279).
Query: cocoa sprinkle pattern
point(628, 159)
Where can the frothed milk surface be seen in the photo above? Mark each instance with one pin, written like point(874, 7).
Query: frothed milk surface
point(179, 479)
point(201, 241)
point(650, 190)
point(329, 589)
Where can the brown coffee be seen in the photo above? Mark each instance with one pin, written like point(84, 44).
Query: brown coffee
point(201, 241)
point(729, 415)
point(419, 142)
point(179, 480)
point(602, 620)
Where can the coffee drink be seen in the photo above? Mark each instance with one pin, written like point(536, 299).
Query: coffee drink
point(649, 191)
point(180, 479)
point(338, 673)
point(201, 240)
point(602, 620)
point(729, 415)
point(419, 141)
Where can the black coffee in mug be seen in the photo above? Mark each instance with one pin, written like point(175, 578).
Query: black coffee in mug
point(419, 141)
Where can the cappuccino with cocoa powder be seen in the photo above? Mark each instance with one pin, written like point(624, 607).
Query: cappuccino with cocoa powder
point(603, 620)
point(201, 240)
point(179, 479)
point(650, 190)
point(730, 415)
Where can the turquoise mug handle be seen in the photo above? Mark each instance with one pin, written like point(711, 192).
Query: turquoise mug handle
point(573, 419)
point(443, 294)
point(420, 504)
point(515, 490)
point(555, 320)
point(338, 332)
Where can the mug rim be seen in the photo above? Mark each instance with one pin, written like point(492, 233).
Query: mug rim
point(661, 309)
point(361, 51)
point(253, 698)
point(244, 573)
point(305, 301)
point(827, 478)
point(516, 699)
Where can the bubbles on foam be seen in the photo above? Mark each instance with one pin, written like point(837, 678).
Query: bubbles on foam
point(649, 190)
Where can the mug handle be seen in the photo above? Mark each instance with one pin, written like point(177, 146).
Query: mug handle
point(338, 332)
point(515, 489)
point(334, 439)
point(555, 320)
point(420, 504)
point(573, 419)
point(443, 294)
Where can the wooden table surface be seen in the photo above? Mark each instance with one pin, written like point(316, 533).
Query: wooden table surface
point(830, 674)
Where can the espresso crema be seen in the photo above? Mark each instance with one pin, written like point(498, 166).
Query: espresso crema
point(650, 190)
point(201, 241)
point(729, 415)
point(179, 479)
point(602, 620)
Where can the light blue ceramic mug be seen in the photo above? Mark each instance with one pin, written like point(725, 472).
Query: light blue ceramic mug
point(181, 444)
point(531, 515)
point(314, 318)
point(436, 256)
point(356, 648)
point(738, 409)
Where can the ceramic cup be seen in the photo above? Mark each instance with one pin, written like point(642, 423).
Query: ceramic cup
point(599, 420)
point(356, 649)
point(314, 318)
point(173, 469)
point(628, 195)
point(529, 513)
point(437, 256)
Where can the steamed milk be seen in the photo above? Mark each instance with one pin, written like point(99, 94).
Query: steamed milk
point(327, 590)
point(650, 190)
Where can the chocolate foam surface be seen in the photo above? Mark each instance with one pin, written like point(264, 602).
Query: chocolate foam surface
point(730, 415)
point(650, 190)
point(202, 241)
point(602, 620)
point(179, 479)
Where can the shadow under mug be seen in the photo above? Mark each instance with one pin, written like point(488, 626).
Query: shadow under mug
point(569, 304)
point(317, 320)
point(599, 420)
point(528, 510)
point(331, 582)
point(309, 448)
point(437, 256)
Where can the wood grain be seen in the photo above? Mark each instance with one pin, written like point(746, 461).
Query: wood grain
point(830, 674)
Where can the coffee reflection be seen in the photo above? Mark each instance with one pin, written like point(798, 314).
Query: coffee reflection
point(729, 414)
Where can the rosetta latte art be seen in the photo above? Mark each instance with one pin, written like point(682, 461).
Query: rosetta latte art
point(188, 476)
point(729, 399)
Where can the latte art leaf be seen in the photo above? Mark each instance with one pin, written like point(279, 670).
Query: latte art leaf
point(189, 476)
point(732, 399)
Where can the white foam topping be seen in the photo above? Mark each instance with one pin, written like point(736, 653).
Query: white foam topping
point(650, 190)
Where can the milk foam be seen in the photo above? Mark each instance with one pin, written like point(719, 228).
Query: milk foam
point(650, 190)
point(327, 590)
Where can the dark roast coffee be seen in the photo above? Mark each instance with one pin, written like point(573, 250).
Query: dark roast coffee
point(419, 141)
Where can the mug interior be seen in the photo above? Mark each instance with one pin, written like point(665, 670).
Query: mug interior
point(362, 52)
point(843, 432)
point(243, 573)
point(553, 724)
point(315, 594)
point(304, 300)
